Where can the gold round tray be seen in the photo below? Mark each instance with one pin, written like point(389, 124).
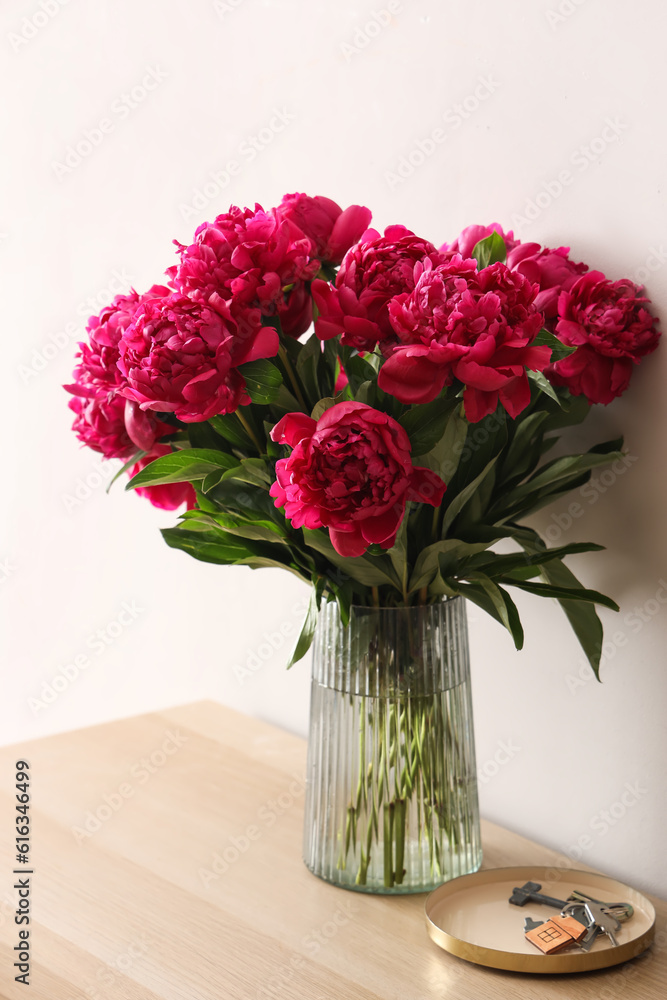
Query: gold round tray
point(470, 917)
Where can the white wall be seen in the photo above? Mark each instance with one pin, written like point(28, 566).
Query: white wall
point(546, 89)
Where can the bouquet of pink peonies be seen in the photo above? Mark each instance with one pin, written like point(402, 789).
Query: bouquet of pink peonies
point(381, 457)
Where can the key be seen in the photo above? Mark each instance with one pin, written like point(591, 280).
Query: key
point(590, 938)
point(608, 924)
point(529, 924)
point(622, 911)
point(530, 893)
point(578, 910)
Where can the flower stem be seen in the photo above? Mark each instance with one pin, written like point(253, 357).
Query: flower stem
point(282, 354)
point(435, 524)
point(249, 431)
point(399, 835)
point(388, 828)
point(406, 746)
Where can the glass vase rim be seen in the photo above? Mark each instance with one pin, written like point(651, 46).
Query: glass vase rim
point(403, 607)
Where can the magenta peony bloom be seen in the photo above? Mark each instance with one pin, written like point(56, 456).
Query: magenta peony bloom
point(100, 424)
point(476, 326)
point(166, 496)
point(552, 270)
point(98, 369)
point(467, 240)
point(611, 328)
point(250, 255)
point(372, 273)
point(180, 356)
point(351, 472)
point(330, 230)
point(98, 380)
point(296, 312)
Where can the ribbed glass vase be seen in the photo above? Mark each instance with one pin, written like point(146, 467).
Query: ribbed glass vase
point(391, 786)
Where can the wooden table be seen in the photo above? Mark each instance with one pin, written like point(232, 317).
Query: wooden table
point(166, 851)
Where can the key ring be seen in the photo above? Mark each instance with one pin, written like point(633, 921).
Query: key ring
point(622, 911)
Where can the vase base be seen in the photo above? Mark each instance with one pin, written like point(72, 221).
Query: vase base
point(345, 880)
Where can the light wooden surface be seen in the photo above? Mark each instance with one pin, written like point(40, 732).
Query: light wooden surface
point(137, 911)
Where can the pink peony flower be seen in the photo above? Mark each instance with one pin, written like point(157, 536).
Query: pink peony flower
point(611, 328)
point(351, 472)
point(552, 270)
point(180, 356)
point(330, 230)
point(98, 366)
point(166, 496)
point(100, 424)
point(372, 273)
point(250, 255)
point(476, 326)
point(467, 240)
point(296, 312)
point(98, 380)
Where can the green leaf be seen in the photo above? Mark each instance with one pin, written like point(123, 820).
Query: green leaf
point(543, 384)
point(263, 380)
point(428, 562)
point(572, 410)
point(567, 466)
point(322, 406)
point(425, 424)
point(138, 455)
point(326, 366)
point(364, 393)
point(495, 601)
point(559, 350)
point(582, 617)
point(204, 503)
point(251, 470)
point(524, 450)
point(398, 553)
point(182, 467)
point(490, 250)
point(222, 548)
point(344, 596)
point(459, 501)
point(307, 633)
point(560, 475)
point(484, 442)
point(246, 499)
point(285, 402)
point(214, 547)
point(607, 447)
point(203, 435)
point(359, 370)
point(444, 457)
point(371, 571)
point(495, 565)
point(256, 530)
point(213, 479)
point(315, 367)
point(515, 626)
point(565, 593)
point(231, 429)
